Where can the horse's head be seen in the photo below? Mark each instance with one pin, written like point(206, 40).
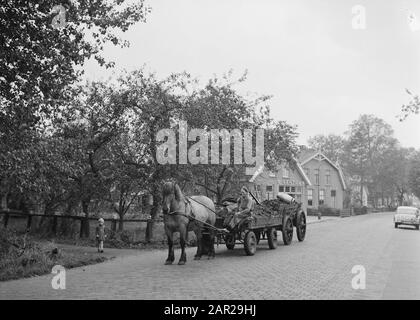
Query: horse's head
point(172, 198)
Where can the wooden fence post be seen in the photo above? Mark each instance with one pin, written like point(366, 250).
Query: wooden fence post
point(29, 222)
point(114, 225)
point(6, 220)
point(81, 227)
point(54, 226)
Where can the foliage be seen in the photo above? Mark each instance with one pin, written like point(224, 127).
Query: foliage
point(369, 139)
point(39, 65)
point(414, 175)
point(219, 106)
point(21, 256)
point(38, 61)
point(331, 145)
point(412, 107)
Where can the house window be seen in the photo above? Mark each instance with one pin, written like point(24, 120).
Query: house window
point(310, 197)
point(287, 189)
point(321, 197)
point(286, 173)
point(328, 177)
point(269, 192)
point(317, 176)
point(281, 188)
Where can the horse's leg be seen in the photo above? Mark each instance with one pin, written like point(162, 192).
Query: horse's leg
point(182, 237)
point(171, 255)
point(197, 232)
point(212, 253)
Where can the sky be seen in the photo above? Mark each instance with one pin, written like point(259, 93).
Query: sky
point(321, 72)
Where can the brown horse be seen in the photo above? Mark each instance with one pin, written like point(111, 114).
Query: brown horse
point(181, 215)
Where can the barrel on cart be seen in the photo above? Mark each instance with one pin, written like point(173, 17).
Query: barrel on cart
point(266, 220)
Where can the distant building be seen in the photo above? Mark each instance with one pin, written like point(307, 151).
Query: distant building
point(327, 180)
point(358, 200)
point(287, 178)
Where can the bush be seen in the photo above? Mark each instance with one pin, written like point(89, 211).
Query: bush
point(362, 210)
point(312, 212)
point(21, 257)
point(126, 236)
point(328, 211)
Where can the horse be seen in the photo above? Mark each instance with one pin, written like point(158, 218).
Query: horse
point(182, 214)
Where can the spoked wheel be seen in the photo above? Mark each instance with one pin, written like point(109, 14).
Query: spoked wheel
point(301, 226)
point(230, 241)
point(272, 238)
point(287, 230)
point(250, 243)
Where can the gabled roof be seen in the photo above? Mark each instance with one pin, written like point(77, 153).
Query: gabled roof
point(299, 169)
point(308, 155)
point(302, 173)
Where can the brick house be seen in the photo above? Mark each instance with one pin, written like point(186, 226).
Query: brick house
point(287, 178)
point(327, 180)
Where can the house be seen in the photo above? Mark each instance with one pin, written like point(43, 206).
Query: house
point(327, 180)
point(358, 200)
point(290, 179)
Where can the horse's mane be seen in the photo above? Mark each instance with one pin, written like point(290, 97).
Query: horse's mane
point(172, 188)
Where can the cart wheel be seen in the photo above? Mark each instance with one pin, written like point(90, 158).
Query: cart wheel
point(287, 230)
point(301, 226)
point(230, 241)
point(272, 238)
point(257, 236)
point(250, 243)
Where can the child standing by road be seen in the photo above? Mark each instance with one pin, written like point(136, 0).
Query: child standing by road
point(100, 235)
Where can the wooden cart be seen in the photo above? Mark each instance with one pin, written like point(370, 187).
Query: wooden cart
point(266, 219)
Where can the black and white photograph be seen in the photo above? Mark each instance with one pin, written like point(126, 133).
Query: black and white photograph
point(207, 150)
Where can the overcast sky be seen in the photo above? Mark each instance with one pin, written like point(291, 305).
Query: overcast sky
point(321, 72)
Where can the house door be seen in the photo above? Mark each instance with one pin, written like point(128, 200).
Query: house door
point(333, 194)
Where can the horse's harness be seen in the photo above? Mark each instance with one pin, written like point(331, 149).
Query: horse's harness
point(190, 217)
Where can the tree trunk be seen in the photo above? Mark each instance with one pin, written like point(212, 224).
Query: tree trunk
point(86, 228)
point(3, 205)
point(121, 222)
point(153, 214)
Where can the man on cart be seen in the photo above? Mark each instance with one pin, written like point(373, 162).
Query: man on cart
point(244, 210)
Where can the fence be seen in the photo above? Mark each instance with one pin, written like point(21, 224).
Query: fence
point(347, 212)
point(15, 218)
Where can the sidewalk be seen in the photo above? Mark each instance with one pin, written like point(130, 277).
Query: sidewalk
point(314, 219)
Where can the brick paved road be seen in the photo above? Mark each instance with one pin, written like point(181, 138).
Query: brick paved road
point(318, 268)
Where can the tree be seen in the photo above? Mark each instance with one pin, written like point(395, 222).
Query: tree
point(414, 175)
point(39, 63)
point(331, 145)
point(153, 105)
point(219, 106)
point(394, 170)
point(368, 139)
point(93, 121)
